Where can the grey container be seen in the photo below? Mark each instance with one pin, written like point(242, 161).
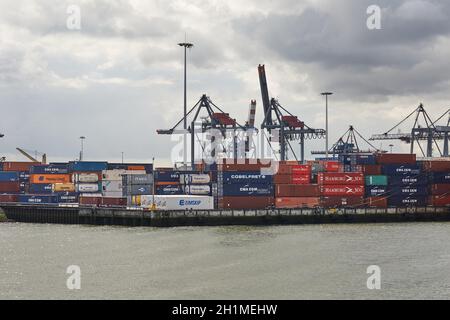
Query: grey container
point(137, 189)
point(131, 179)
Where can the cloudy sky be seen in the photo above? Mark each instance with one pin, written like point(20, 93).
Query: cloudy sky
point(119, 78)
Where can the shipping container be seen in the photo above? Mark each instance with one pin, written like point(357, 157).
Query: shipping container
point(88, 187)
point(50, 169)
point(183, 202)
point(6, 198)
point(248, 167)
point(199, 178)
point(63, 187)
point(341, 190)
point(40, 188)
point(67, 197)
point(86, 177)
point(376, 180)
point(90, 201)
point(38, 199)
point(289, 191)
point(341, 202)
point(112, 186)
point(376, 202)
point(18, 166)
point(236, 177)
point(376, 191)
point(297, 202)
point(50, 178)
point(167, 176)
point(408, 191)
point(440, 201)
point(290, 179)
point(87, 166)
point(114, 202)
point(332, 166)
point(246, 189)
point(137, 179)
point(113, 194)
point(371, 170)
point(173, 189)
point(137, 189)
point(436, 166)
point(24, 176)
point(340, 178)
point(11, 176)
point(395, 158)
point(245, 203)
point(299, 169)
point(113, 175)
point(414, 201)
point(440, 189)
point(9, 187)
point(197, 189)
point(358, 159)
point(401, 170)
point(439, 177)
point(408, 180)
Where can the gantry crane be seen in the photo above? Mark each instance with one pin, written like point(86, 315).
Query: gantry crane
point(214, 118)
point(289, 127)
point(26, 153)
point(348, 144)
point(429, 133)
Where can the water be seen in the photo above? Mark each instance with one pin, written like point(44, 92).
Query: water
point(279, 262)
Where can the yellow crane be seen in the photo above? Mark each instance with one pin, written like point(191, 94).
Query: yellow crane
point(27, 155)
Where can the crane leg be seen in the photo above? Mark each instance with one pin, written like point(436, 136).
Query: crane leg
point(446, 144)
point(302, 148)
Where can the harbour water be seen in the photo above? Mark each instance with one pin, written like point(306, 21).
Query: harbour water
point(277, 262)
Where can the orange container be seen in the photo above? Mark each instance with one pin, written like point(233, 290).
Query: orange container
point(50, 178)
point(134, 168)
point(299, 202)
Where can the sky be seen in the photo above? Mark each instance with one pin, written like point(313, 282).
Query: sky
point(119, 77)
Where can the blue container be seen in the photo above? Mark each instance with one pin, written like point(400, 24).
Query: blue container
point(24, 187)
point(42, 199)
point(355, 159)
point(67, 197)
point(38, 188)
point(124, 166)
point(248, 189)
point(9, 176)
point(414, 201)
point(87, 166)
point(408, 191)
point(169, 190)
point(254, 177)
point(375, 191)
point(396, 181)
point(168, 176)
point(440, 177)
point(401, 170)
point(50, 169)
point(24, 176)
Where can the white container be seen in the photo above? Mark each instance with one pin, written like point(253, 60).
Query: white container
point(87, 187)
point(197, 189)
point(195, 179)
point(113, 175)
point(85, 177)
point(91, 195)
point(178, 202)
point(111, 186)
point(112, 194)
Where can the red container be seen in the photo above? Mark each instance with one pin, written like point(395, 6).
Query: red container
point(92, 201)
point(341, 178)
point(288, 162)
point(237, 203)
point(298, 202)
point(243, 167)
point(436, 166)
point(291, 179)
point(332, 166)
point(18, 166)
point(439, 201)
point(311, 190)
point(110, 201)
point(395, 158)
point(371, 170)
point(9, 187)
point(333, 202)
point(440, 189)
point(376, 202)
point(340, 190)
point(8, 198)
point(299, 169)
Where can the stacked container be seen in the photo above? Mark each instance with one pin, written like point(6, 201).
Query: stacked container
point(341, 189)
point(196, 184)
point(439, 182)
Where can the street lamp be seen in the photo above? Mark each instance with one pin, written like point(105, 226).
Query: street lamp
point(326, 94)
point(122, 157)
point(391, 146)
point(82, 138)
point(186, 46)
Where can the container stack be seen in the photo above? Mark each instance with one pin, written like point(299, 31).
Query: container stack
point(196, 184)
point(294, 187)
point(341, 189)
point(243, 186)
point(439, 182)
point(167, 182)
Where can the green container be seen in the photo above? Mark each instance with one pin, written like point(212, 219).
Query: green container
point(376, 180)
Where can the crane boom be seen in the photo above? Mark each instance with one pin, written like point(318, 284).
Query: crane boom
point(26, 155)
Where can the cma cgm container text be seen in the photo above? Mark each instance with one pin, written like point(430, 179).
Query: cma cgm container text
point(38, 199)
point(340, 178)
point(405, 201)
point(408, 191)
point(340, 190)
point(233, 190)
point(440, 177)
point(244, 177)
point(246, 203)
point(40, 188)
point(50, 169)
point(375, 191)
point(408, 180)
point(67, 197)
point(401, 170)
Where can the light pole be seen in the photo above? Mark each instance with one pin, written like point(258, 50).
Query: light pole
point(326, 94)
point(82, 138)
point(186, 46)
point(122, 157)
point(391, 146)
